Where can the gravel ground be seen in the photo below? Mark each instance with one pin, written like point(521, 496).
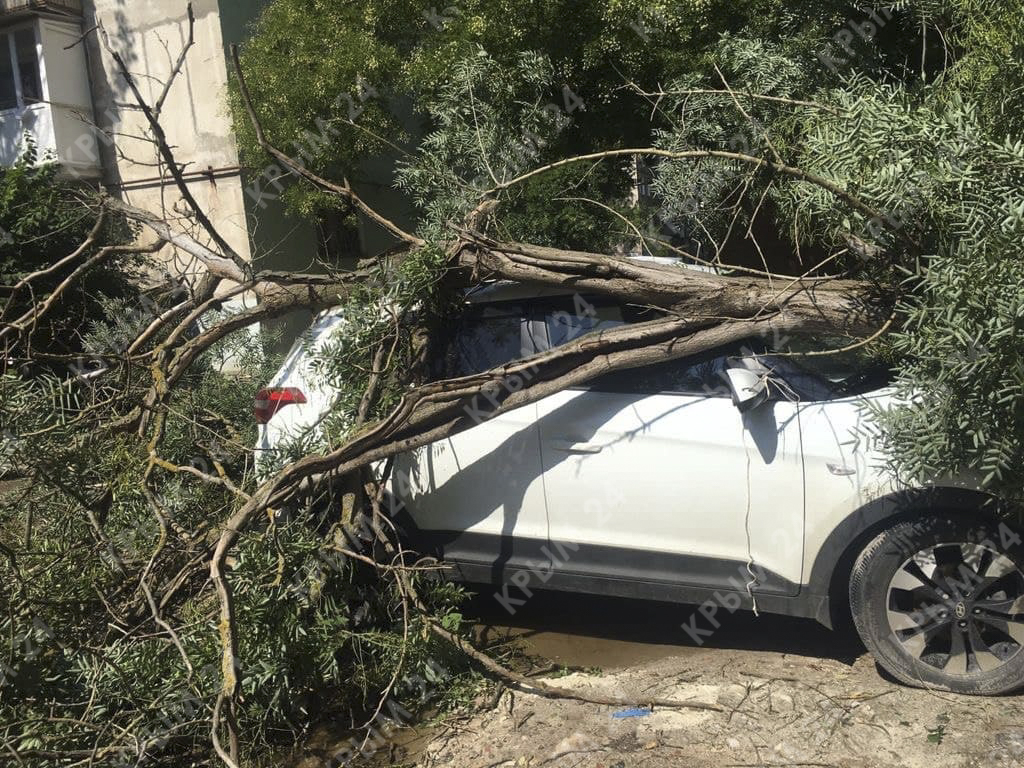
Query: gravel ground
point(792, 694)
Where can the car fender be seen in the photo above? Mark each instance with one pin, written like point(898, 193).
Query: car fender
point(834, 559)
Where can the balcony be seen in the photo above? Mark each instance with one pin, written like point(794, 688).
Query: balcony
point(24, 7)
point(44, 90)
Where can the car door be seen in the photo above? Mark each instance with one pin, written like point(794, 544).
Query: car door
point(653, 475)
point(828, 410)
point(477, 497)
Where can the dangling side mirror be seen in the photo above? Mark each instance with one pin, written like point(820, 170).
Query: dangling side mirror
point(749, 385)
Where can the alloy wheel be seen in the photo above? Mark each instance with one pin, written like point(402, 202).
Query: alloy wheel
point(958, 607)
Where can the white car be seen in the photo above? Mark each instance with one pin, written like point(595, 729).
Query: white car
point(736, 479)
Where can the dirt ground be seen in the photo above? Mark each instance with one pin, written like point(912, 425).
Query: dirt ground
point(792, 694)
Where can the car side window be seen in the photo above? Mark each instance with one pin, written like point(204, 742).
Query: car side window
point(567, 322)
point(700, 374)
point(485, 338)
point(821, 377)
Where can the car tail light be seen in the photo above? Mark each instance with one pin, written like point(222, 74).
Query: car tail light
point(270, 401)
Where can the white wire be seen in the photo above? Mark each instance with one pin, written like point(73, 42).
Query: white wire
point(746, 525)
point(788, 393)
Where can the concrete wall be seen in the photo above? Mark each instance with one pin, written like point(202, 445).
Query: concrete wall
point(196, 119)
point(149, 34)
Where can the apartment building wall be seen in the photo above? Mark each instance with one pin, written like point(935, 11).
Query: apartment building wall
point(149, 34)
point(63, 88)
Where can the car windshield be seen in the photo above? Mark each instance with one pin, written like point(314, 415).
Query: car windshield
point(814, 375)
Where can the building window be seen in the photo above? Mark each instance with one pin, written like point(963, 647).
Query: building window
point(20, 80)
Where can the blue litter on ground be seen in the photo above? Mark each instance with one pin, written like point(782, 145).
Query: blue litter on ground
point(631, 713)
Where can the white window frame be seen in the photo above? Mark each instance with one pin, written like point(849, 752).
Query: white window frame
point(9, 33)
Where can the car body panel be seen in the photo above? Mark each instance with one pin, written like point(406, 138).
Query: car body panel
point(842, 471)
point(485, 482)
point(668, 496)
point(299, 421)
point(646, 474)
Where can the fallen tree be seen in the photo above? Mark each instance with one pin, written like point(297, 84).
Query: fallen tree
point(203, 588)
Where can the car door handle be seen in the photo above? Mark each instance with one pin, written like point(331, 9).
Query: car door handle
point(841, 469)
point(570, 447)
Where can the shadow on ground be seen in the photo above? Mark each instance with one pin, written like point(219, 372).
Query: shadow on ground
point(594, 631)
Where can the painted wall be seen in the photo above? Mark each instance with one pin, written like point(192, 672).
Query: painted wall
point(149, 34)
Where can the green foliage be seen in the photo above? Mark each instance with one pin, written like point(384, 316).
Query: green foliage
point(372, 85)
point(42, 220)
point(493, 122)
point(490, 124)
point(982, 51)
point(575, 220)
point(922, 128)
point(318, 633)
point(337, 92)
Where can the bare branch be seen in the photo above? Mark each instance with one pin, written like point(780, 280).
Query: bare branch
point(343, 190)
point(160, 138)
point(39, 310)
point(696, 154)
point(748, 94)
point(221, 266)
point(158, 106)
point(58, 265)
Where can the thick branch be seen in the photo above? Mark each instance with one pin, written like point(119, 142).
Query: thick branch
point(700, 154)
point(840, 306)
point(757, 162)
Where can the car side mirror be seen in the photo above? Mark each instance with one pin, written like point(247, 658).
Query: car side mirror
point(749, 388)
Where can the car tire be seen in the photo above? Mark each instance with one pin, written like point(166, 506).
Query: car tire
point(939, 602)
